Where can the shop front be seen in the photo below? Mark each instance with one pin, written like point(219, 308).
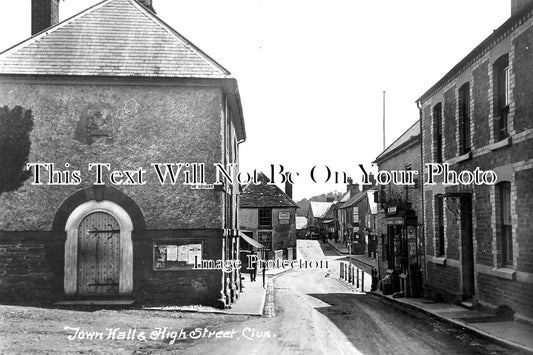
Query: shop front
point(403, 252)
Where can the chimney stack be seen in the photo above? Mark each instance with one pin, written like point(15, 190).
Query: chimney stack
point(372, 181)
point(519, 5)
point(147, 4)
point(44, 14)
point(288, 189)
point(352, 188)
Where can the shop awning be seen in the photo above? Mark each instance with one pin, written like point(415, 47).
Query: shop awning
point(251, 241)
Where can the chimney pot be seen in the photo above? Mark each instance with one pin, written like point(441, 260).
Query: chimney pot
point(44, 14)
point(288, 189)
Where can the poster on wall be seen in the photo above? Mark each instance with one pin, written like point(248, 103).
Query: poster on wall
point(195, 253)
point(168, 256)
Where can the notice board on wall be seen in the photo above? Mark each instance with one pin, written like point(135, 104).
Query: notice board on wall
point(176, 255)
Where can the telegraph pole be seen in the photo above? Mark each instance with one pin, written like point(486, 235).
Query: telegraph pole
point(384, 120)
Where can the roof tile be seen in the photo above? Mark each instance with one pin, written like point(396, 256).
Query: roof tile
point(113, 38)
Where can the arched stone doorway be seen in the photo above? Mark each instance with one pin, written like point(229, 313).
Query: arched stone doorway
point(98, 254)
point(98, 250)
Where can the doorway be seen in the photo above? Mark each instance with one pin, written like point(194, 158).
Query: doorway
point(467, 244)
point(98, 254)
point(98, 250)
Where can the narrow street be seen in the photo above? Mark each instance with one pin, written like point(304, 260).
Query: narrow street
point(308, 312)
point(316, 314)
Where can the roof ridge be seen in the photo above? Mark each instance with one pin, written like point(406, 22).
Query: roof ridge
point(385, 151)
point(156, 19)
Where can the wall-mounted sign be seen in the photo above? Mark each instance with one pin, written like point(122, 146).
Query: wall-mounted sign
point(394, 221)
point(284, 217)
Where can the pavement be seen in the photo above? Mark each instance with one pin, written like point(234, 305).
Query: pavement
point(251, 300)
point(517, 334)
point(362, 261)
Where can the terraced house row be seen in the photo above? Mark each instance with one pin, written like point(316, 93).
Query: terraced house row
point(479, 238)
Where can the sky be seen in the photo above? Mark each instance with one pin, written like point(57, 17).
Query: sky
point(311, 73)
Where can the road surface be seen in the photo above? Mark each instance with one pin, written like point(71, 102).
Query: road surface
point(317, 314)
point(308, 312)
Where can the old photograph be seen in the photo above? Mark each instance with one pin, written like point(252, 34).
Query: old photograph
point(266, 177)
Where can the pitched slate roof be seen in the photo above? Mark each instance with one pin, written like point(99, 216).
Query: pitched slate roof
point(319, 209)
point(264, 195)
point(411, 135)
point(112, 38)
point(354, 199)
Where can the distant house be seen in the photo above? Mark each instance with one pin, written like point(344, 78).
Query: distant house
point(340, 213)
point(359, 219)
point(301, 227)
point(268, 215)
point(315, 216)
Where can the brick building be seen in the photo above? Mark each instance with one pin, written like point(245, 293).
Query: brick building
point(400, 236)
point(341, 213)
point(480, 115)
point(115, 84)
point(359, 220)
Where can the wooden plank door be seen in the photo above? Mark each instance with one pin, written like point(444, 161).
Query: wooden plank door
point(98, 254)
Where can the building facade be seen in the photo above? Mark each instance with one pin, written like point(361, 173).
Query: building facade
point(359, 221)
point(400, 246)
point(315, 216)
point(480, 116)
point(268, 215)
point(128, 95)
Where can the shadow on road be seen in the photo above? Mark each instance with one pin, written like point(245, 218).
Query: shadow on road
point(375, 326)
point(329, 250)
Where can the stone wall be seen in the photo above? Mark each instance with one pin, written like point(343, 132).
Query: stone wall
point(142, 125)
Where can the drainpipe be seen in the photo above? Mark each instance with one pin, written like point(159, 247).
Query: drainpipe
point(423, 232)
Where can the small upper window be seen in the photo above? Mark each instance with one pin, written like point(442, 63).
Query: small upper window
point(265, 218)
point(437, 129)
point(502, 96)
point(464, 118)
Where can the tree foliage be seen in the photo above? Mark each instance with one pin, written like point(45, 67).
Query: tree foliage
point(15, 128)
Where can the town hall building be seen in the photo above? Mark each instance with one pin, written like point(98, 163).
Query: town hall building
point(116, 85)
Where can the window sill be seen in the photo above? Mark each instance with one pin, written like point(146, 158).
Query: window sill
point(504, 273)
point(441, 260)
point(501, 144)
point(461, 158)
